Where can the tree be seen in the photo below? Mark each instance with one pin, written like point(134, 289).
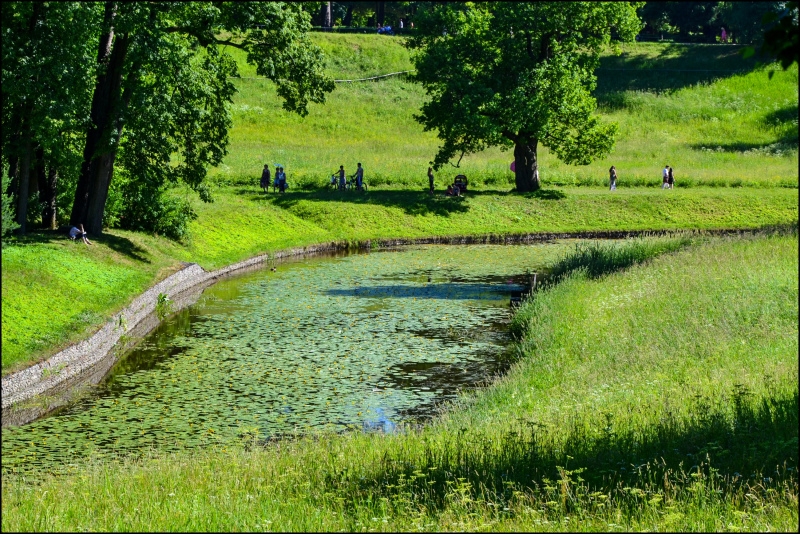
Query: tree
point(743, 19)
point(46, 76)
point(781, 36)
point(517, 75)
point(162, 91)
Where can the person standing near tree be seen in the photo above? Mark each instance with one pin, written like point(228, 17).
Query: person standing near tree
point(723, 38)
point(401, 24)
point(430, 179)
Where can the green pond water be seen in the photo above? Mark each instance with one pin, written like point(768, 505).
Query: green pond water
point(365, 341)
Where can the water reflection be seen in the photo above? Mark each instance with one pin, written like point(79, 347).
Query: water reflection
point(363, 341)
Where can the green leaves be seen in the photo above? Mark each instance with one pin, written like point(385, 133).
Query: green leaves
point(505, 73)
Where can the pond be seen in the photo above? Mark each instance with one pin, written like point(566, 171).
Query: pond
point(367, 341)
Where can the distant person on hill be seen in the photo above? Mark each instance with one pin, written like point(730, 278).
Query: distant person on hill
point(281, 178)
point(430, 179)
point(612, 177)
point(342, 181)
point(265, 178)
point(665, 177)
point(670, 178)
point(401, 24)
point(723, 38)
point(75, 233)
point(277, 182)
point(359, 176)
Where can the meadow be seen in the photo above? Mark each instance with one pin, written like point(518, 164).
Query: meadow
point(656, 383)
point(656, 388)
point(714, 117)
point(663, 113)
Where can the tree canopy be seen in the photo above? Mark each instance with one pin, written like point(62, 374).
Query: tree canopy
point(516, 74)
point(143, 88)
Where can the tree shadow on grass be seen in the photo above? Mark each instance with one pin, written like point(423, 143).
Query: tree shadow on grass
point(745, 449)
point(783, 121)
point(410, 201)
point(678, 66)
point(118, 244)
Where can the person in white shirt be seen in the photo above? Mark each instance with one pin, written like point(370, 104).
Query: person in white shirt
point(664, 177)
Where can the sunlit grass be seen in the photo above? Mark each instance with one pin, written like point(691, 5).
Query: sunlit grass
point(662, 397)
point(720, 127)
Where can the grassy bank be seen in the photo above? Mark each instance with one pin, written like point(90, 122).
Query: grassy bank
point(700, 108)
point(663, 396)
point(81, 287)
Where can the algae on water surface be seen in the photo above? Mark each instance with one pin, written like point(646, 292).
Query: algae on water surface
point(360, 341)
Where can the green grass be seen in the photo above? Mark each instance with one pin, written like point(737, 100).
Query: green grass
point(659, 397)
point(56, 292)
point(721, 127)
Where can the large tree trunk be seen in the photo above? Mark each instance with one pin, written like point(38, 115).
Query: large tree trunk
point(103, 101)
point(526, 164)
point(24, 174)
point(348, 17)
point(381, 12)
point(47, 194)
point(326, 22)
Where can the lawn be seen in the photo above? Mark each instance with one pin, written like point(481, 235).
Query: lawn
point(656, 389)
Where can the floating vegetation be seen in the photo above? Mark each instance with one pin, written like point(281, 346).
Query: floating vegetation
point(362, 341)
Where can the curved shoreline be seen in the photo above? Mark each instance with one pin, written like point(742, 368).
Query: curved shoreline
point(41, 388)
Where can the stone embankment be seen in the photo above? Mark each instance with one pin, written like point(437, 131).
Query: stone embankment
point(40, 388)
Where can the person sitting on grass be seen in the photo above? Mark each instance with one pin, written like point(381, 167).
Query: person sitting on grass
point(450, 192)
point(75, 233)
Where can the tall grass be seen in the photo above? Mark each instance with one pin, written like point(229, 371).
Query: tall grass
point(660, 397)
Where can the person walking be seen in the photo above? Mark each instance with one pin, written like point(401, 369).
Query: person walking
point(265, 178)
point(280, 177)
point(430, 179)
point(670, 178)
point(723, 36)
point(612, 177)
point(665, 177)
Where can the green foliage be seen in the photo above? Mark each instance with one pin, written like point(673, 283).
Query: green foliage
point(9, 221)
point(163, 306)
point(659, 398)
point(782, 35)
point(512, 74)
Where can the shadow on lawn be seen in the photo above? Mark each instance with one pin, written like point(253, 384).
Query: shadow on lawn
point(679, 66)
point(118, 244)
point(783, 121)
point(413, 202)
point(759, 447)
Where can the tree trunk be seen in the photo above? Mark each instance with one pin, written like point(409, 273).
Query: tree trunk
point(47, 194)
point(348, 17)
point(327, 20)
point(381, 12)
point(99, 114)
point(526, 164)
point(38, 171)
point(24, 174)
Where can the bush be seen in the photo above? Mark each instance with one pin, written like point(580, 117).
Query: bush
point(135, 206)
point(9, 221)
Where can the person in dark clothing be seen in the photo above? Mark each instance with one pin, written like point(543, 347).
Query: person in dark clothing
point(265, 177)
point(430, 179)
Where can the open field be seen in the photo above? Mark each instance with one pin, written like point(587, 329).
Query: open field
point(656, 389)
point(699, 108)
point(81, 286)
point(666, 116)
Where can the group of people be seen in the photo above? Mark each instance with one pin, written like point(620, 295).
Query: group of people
point(339, 178)
point(667, 178)
point(280, 179)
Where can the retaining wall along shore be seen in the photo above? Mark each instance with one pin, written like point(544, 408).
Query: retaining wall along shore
point(43, 387)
